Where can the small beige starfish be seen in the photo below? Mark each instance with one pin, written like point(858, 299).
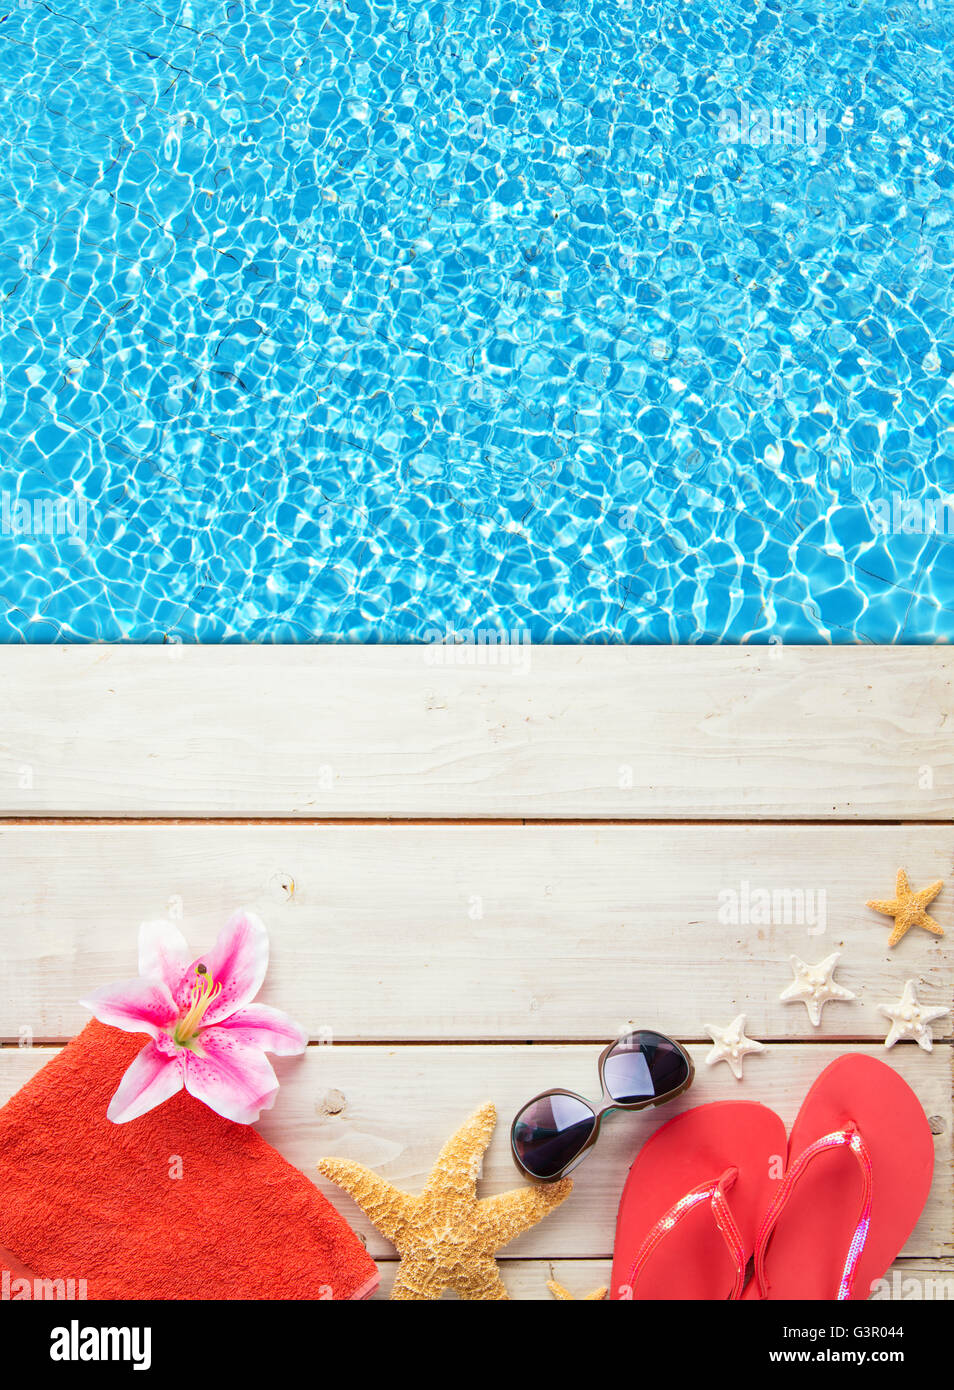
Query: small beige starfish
point(908, 909)
point(447, 1237)
point(731, 1045)
point(911, 1019)
point(559, 1291)
point(815, 986)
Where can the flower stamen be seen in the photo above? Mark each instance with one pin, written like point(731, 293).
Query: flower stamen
point(201, 997)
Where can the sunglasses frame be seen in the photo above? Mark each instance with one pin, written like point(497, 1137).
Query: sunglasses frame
point(606, 1103)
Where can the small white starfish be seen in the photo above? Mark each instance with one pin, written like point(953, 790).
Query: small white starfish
point(910, 1020)
point(731, 1045)
point(815, 986)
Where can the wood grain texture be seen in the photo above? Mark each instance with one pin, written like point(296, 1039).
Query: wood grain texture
point(393, 1107)
point(426, 932)
point(607, 732)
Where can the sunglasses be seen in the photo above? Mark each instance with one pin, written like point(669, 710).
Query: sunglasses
point(553, 1132)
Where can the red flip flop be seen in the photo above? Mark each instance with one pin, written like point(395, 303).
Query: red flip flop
point(693, 1201)
point(860, 1162)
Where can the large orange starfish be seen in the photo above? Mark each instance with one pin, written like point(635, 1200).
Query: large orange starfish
point(447, 1237)
point(908, 909)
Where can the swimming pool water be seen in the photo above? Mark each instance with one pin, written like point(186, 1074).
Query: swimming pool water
point(374, 321)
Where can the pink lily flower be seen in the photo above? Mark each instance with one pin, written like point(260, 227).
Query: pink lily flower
point(205, 1033)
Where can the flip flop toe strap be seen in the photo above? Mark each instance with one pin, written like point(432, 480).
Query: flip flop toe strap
point(848, 1138)
point(714, 1193)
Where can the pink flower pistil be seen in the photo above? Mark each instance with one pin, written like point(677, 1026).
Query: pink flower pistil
point(203, 994)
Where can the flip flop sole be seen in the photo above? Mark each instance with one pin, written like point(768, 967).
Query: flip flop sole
point(808, 1248)
point(693, 1262)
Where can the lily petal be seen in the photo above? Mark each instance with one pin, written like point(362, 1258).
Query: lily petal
point(135, 1006)
point(237, 962)
point(268, 1029)
point(163, 953)
point(233, 1079)
point(150, 1078)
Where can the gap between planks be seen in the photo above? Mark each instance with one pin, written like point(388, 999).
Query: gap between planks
point(475, 821)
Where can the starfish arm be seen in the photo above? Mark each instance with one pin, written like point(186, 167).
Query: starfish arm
point(558, 1290)
point(930, 1015)
point(793, 993)
point(930, 925)
point(383, 1203)
point(901, 886)
point(458, 1163)
point(839, 991)
point(418, 1279)
point(505, 1216)
point(927, 895)
point(889, 906)
point(894, 1032)
point(814, 1011)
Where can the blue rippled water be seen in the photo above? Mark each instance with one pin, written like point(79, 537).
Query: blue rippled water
point(594, 321)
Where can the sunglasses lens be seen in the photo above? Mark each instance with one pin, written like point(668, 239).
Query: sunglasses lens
point(643, 1066)
point(550, 1133)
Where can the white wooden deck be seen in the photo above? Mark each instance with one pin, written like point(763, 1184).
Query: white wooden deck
point(456, 861)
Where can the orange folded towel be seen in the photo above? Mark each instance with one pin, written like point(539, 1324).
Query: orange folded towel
point(178, 1204)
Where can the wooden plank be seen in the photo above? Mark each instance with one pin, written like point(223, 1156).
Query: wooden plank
point(526, 1280)
point(393, 1107)
point(605, 732)
point(427, 932)
point(906, 1280)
